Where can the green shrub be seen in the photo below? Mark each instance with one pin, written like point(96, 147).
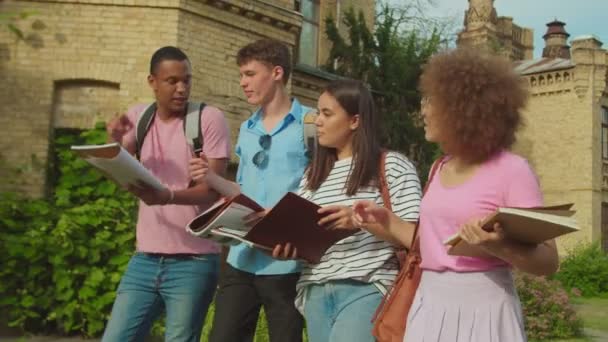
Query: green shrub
point(63, 256)
point(25, 280)
point(585, 268)
point(548, 312)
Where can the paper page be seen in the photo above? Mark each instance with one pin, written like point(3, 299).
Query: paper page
point(558, 218)
point(236, 232)
point(123, 168)
point(232, 218)
point(235, 237)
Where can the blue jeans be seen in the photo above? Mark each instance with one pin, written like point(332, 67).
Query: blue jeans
point(182, 285)
point(341, 311)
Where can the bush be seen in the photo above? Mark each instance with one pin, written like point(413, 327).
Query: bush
point(585, 269)
point(24, 275)
point(547, 310)
point(63, 256)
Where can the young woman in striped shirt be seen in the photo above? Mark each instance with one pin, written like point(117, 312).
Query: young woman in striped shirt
point(339, 295)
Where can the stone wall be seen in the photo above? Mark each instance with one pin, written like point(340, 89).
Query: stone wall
point(83, 61)
point(561, 138)
point(71, 48)
point(561, 156)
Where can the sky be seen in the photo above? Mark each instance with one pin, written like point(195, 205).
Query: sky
point(582, 17)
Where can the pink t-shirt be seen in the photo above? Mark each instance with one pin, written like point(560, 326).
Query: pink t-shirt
point(165, 152)
point(506, 180)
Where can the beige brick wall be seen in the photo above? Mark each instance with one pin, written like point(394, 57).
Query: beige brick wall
point(97, 52)
point(77, 42)
point(111, 42)
point(81, 104)
point(212, 47)
point(561, 140)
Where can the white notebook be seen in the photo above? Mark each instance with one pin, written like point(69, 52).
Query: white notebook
point(117, 164)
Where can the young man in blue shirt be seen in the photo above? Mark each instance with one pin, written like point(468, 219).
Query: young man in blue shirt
point(272, 161)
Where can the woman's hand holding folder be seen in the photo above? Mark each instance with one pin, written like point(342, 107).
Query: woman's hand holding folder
point(285, 252)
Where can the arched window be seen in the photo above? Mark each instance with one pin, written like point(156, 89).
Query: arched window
point(80, 103)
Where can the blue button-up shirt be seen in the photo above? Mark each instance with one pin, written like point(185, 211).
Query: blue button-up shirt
point(268, 184)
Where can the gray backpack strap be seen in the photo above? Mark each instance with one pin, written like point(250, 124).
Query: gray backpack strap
point(192, 126)
point(310, 132)
point(143, 125)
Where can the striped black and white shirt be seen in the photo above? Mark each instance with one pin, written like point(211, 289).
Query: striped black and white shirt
point(361, 256)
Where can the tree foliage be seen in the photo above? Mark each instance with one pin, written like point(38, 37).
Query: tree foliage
point(389, 58)
point(11, 21)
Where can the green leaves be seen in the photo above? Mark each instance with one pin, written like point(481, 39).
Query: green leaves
point(389, 58)
point(548, 310)
point(585, 268)
point(62, 257)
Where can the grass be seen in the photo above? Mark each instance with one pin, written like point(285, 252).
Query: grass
point(261, 333)
point(594, 312)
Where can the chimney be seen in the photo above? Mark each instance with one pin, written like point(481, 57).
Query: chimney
point(556, 41)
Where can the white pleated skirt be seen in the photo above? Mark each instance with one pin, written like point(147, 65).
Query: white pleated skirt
point(466, 307)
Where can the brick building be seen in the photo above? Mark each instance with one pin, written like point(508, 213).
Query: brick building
point(81, 61)
point(565, 136)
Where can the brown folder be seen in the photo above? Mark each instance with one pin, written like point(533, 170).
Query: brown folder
point(294, 220)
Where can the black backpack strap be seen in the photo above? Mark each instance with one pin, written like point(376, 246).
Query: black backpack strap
point(143, 125)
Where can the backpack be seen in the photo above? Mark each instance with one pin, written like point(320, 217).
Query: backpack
point(192, 126)
point(310, 132)
point(194, 135)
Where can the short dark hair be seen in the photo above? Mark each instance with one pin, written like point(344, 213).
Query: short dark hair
point(477, 98)
point(166, 53)
point(269, 51)
point(356, 99)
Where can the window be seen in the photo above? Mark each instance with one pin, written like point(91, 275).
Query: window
point(604, 132)
point(309, 36)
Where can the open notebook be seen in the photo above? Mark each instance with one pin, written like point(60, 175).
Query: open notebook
point(117, 164)
point(293, 219)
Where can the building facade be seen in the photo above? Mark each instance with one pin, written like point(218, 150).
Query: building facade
point(83, 61)
point(565, 134)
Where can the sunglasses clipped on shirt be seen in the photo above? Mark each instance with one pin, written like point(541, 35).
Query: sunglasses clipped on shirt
point(260, 159)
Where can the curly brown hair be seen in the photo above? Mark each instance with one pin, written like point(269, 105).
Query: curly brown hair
point(269, 51)
point(477, 99)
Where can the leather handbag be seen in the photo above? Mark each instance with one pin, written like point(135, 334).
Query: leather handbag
point(391, 316)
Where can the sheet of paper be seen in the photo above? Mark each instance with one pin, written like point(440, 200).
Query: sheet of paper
point(232, 218)
point(123, 168)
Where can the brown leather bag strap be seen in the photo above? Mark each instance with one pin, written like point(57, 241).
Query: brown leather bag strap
point(434, 168)
point(383, 185)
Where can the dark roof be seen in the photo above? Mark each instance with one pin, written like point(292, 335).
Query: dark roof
point(534, 66)
point(556, 27)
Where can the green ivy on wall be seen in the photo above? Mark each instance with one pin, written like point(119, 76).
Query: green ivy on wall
point(63, 256)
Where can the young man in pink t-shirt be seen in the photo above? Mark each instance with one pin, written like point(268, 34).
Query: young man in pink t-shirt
point(170, 269)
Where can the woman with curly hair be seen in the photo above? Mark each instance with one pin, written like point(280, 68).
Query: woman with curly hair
point(471, 109)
